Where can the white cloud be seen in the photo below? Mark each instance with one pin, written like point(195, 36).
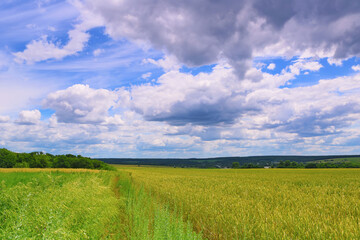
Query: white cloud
point(114, 120)
point(304, 65)
point(181, 98)
point(168, 63)
point(336, 62)
point(29, 117)
point(356, 68)
point(271, 66)
point(146, 75)
point(234, 30)
point(81, 104)
point(310, 119)
point(4, 119)
point(97, 52)
point(219, 112)
point(43, 49)
point(212, 99)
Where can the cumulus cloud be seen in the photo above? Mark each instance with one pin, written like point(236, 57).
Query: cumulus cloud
point(181, 98)
point(336, 62)
point(308, 118)
point(216, 99)
point(4, 119)
point(202, 33)
point(322, 109)
point(81, 104)
point(30, 117)
point(213, 110)
point(303, 65)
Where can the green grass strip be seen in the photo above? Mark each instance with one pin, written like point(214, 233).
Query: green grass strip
point(148, 220)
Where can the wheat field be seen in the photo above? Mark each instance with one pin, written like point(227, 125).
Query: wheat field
point(172, 203)
point(260, 203)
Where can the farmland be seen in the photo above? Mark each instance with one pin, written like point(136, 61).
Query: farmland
point(260, 204)
point(173, 203)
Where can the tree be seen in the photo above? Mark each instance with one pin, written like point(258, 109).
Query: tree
point(311, 165)
point(293, 165)
point(287, 164)
point(281, 164)
point(7, 158)
point(235, 165)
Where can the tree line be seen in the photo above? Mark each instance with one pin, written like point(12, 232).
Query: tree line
point(9, 159)
point(293, 164)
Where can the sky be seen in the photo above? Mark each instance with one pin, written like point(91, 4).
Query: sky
point(161, 78)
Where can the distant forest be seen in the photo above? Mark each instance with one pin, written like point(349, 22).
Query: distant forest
point(244, 162)
point(9, 159)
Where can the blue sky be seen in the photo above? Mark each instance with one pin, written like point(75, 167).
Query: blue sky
point(164, 79)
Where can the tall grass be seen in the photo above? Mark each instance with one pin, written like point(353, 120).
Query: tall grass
point(260, 204)
point(36, 170)
point(83, 205)
point(147, 219)
point(56, 205)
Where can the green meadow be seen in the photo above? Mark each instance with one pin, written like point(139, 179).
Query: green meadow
point(172, 203)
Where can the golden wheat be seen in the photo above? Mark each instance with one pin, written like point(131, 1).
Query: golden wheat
point(261, 204)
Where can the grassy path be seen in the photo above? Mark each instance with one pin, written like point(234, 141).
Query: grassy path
point(146, 219)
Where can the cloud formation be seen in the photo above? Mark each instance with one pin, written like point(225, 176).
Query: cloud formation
point(181, 77)
point(199, 33)
point(180, 98)
point(43, 49)
point(29, 117)
point(4, 119)
point(81, 104)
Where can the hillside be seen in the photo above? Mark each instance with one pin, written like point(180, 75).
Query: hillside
point(220, 161)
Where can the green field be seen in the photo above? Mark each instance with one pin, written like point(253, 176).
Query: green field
point(57, 205)
point(172, 203)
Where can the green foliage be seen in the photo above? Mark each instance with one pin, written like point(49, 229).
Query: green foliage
point(332, 165)
point(7, 158)
point(288, 164)
point(251, 165)
point(235, 165)
point(10, 159)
